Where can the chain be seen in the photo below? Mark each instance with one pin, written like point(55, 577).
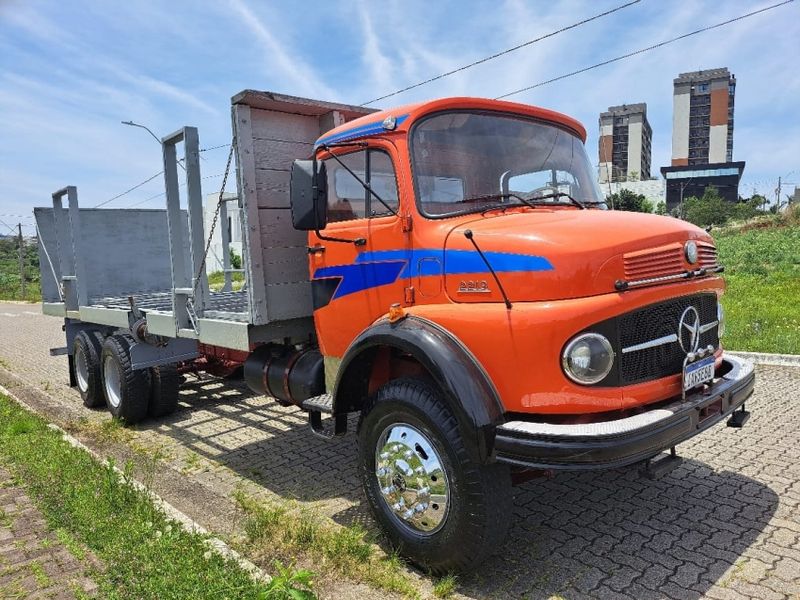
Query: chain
point(216, 217)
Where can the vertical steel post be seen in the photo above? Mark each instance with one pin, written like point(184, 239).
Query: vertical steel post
point(194, 202)
point(226, 245)
point(69, 255)
point(21, 262)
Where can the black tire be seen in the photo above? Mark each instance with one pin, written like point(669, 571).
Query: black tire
point(127, 391)
point(86, 367)
point(164, 390)
point(479, 500)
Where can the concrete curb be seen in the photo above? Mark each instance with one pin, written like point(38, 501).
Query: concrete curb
point(186, 522)
point(762, 358)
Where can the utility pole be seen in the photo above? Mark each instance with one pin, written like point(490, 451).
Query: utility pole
point(778, 196)
point(21, 261)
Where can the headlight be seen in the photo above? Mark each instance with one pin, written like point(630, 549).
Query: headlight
point(720, 321)
point(587, 358)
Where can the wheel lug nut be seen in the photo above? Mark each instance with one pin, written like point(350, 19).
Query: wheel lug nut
point(420, 508)
point(384, 455)
point(388, 490)
point(420, 470)
point(408, 454)
point(424, 491)
point(382, 472)
point(408, 514)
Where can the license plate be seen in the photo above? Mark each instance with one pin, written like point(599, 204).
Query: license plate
point(697, 373)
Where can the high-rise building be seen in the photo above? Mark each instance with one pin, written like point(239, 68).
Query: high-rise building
point(702, 119)
point(625, 140)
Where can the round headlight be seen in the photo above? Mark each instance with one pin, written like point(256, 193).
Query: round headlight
point(720, 321)
point(690, 250)
point(587, 358)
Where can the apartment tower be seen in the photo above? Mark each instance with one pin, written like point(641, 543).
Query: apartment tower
point(702, 119)
point(625, 140)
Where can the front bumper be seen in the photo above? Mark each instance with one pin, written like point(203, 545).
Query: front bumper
point(611, 444)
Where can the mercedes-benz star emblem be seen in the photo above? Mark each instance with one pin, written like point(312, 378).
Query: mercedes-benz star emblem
point(689, 330)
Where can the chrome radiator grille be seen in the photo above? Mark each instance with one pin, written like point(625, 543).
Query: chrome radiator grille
point(648, 337)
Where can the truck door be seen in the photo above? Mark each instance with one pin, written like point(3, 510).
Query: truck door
point(353, 285)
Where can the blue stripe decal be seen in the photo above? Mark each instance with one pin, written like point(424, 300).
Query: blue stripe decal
point(373, 269)
point(357, 132)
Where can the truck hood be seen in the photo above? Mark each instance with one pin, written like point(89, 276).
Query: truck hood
point(549, 254)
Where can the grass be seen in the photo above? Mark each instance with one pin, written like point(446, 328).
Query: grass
point(445, 586)
point(217, 279)
point(87, 503)
point(277, 531)
point(762, 270)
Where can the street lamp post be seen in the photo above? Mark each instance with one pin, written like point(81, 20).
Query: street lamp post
point(155, 137)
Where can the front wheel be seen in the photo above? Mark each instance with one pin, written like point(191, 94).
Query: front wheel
point(440, 509)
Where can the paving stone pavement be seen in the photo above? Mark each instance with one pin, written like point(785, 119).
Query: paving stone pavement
point(724, 525)
point(33, 562)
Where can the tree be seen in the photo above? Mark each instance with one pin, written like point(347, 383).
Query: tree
point(625, 199)
point(709, 209)
point(661, 208)
point(236, 260)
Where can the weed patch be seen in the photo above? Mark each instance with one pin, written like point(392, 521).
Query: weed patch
point(145, 555)
point(275, 531)
point(762, 271)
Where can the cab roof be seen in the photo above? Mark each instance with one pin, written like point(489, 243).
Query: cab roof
point(405, 116)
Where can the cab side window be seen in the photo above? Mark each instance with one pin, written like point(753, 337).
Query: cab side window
point(348, 199)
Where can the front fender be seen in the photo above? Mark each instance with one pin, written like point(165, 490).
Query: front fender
point(468, 391)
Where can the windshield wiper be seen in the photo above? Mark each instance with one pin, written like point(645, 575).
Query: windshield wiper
point(498, 197)
point(558, 195)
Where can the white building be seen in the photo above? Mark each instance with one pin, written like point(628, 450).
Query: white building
point(232, 224)
point(654, 190)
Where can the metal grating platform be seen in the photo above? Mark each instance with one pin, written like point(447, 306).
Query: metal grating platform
point(230, 306)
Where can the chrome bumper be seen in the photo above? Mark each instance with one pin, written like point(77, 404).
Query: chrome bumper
point(611, 444)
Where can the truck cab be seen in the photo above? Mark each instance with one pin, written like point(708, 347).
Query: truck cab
point(478, 303)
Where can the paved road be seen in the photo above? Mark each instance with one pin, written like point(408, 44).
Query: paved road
point(726, 524)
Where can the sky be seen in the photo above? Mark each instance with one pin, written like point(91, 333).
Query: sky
point(70, 72)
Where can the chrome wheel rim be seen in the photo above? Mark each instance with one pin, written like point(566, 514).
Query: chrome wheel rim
point(412, 479)
point(81, 369)
point(111, 381)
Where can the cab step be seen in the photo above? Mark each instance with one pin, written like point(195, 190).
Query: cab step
point(738, 418)
point(322, 404)
point(657, 467)
point(316, 407)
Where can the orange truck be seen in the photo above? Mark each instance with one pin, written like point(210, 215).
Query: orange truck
point(448, 270)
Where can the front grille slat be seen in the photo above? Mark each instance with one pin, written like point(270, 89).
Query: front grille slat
point(658, 321)
point(666, 260)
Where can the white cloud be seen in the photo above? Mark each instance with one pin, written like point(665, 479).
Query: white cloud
point(276, 55)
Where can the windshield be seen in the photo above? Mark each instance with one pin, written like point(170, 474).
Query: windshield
point(470, 162)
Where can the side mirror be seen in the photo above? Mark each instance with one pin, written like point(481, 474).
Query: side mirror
point(308, 195)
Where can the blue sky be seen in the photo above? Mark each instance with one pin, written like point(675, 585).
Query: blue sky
point(71, 71)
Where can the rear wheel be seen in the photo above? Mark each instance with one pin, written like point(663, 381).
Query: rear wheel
point(127, 391)
point(87, 369)
point(440, 509)
point(164, 390)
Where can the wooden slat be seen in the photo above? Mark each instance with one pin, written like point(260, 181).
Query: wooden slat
point(268, 124)
point(274, 154)
point(272, 188)
point(277, 231)
point(286, 265)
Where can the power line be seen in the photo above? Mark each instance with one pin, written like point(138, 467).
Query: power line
point(503, 52)
point(128, 191)
point(149, 179)
point(14, 231)
point(164, 193)
point(642, 50)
